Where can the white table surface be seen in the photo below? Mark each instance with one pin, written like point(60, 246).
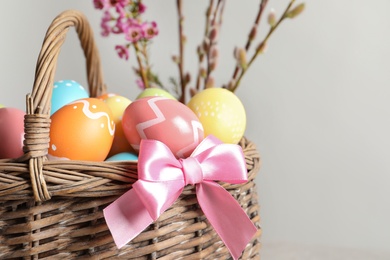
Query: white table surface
point(291, 251)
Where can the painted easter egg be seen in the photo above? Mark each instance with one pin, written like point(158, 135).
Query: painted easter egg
point(1, 105)
point(155, 92)
point(106, 95)
point(11, 132)
point(165, 120)
point(118, 104)
point(64, 92)
point(221, 113)
point(82, 130)
point(123, 157)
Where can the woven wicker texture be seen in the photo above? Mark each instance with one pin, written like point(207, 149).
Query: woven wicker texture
point(52, 209)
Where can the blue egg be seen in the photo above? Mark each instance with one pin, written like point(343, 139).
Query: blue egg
point(123, 157)
point(64, 92)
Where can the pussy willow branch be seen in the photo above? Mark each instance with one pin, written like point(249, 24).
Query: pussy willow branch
point(221, 13)
point(206, 32)
point(180, 63)
point(217, 13)
point(261, 46)
point(251, 34)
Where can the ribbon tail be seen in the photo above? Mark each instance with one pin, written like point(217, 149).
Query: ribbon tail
point(126, 218)
point(226, 216)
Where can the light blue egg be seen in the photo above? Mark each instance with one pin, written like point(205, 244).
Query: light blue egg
point(123, 157)
point(64, 92)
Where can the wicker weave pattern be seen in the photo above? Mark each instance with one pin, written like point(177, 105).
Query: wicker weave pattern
point(52, 209)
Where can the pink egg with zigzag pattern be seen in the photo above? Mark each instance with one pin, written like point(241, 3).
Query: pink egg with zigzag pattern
point(165, 120)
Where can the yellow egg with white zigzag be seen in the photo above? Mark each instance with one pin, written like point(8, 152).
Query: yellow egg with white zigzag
point(221, 113)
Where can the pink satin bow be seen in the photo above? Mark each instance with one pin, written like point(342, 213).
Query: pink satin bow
point(162, 179)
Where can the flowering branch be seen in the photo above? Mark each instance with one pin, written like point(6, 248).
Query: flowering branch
point(252, 34)
point(243, 65)
point(207, 51)
point(211, 48)
point(124, 17)
point(141, 70)
point(201, 49)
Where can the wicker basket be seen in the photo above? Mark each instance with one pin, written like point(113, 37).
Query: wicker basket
point(53, 209)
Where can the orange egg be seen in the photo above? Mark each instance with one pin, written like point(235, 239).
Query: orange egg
point(82, 130)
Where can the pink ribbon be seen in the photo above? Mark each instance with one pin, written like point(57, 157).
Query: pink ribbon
point(162, 179)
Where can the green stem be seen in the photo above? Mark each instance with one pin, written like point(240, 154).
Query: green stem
point(142, 71)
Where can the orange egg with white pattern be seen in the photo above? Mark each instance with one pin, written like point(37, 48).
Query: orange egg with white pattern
point(82, 130)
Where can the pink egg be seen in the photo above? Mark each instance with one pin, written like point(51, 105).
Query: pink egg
point(11, 132)
point(165, 120)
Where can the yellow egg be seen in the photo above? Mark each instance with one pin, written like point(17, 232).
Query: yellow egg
point(221, 113)
point(118, 104)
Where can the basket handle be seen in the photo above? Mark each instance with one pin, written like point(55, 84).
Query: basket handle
point(47, 59)
point(38, 103)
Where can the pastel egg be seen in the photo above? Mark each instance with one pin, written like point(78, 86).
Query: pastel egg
point(118, 104)
point(106, 95)
point(64, 92)
point(155, 92)
point(165, 120)
point(123, 157)
point(82, 130)
point(221, 113)
point(1, 105)
point(11, 132)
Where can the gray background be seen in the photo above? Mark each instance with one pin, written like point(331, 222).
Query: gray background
point(317, 104)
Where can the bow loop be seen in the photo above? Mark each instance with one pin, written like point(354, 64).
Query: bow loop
point(223, 162)
point(157, 163)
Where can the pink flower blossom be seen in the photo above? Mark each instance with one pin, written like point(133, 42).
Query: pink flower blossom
point(101, 4)
point(120, 6)
point(123, 51)
point(119, 3)
point(105, 24)
point(123, 24)
point(120, 25)
point(133, 33)
point(149, 30)
point(141, 8)
point(123, 17)
point(140, 84)
point(106, 16)
point(121, 11)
